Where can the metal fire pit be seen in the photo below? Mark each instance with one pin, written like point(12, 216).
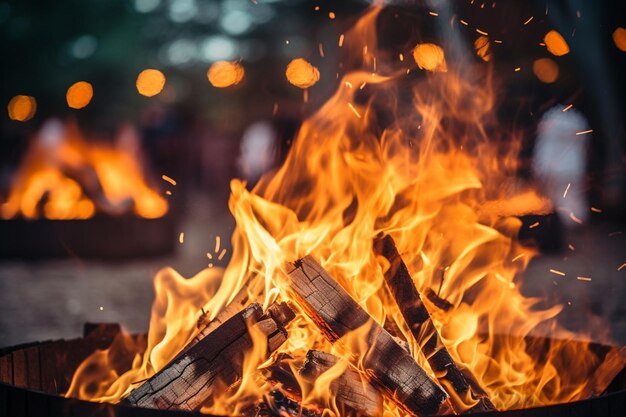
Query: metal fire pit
point(32, 376)
point(97, 237)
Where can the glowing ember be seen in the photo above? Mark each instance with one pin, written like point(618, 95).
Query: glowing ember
point(481, 45)
point(555, 43)
point(224, 74)
point(546, 70)
point(619, 37)
point(302, 74)
point(150, 82)
point(430, 57)
point(22, 108)
point(79, 95)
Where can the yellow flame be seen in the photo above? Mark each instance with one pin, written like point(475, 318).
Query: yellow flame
point(441, 179)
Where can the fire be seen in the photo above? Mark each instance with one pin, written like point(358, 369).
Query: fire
point(64, 177)
point(441, 180)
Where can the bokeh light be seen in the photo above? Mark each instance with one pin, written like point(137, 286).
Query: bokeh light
point(150, 82)
point(619, 37)
point(555, 43)
point(546, 70)
point(223, 74)
point(79, 95)
point(430, 57)
point(302, 73)
point(22, 108)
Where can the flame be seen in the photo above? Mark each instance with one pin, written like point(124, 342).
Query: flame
point(64, 177)
point(441, 179)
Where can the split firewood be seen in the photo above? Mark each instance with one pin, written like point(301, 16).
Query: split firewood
point(386, 364)
point(464, 398)
point(350, 390)
point(189, 380)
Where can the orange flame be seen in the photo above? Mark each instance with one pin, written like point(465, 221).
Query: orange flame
point(440, 178)
point(64, 177)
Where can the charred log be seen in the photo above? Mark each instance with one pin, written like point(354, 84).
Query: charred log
point(189, 380)
point(464, 398)
point(387, 365)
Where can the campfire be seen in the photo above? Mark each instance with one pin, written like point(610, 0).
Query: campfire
point(376, 272)
point(65, 177)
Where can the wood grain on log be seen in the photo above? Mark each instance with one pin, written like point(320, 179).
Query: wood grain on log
point(189, 380)
point(387, 365)
point(350, 391)
point(464, 399)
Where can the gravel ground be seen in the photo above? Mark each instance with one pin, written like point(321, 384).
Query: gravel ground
point(52, 299)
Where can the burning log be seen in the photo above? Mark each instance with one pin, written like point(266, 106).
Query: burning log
point(387, 365)
point(189, 380)
point(349, 389)
point(464, 398)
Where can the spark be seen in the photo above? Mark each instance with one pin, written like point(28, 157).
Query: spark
point(567, 108)
point(210, 264)
point(321, 48)
point(596, 210)
point(181, 237)
point(571, 247)
point(101, 308)
point(463, 22)
point(348, 84)
point(401, 57)
point(217, 244)
point(341, 38)
point(622, 266)
point(365, 50)
point(497, 41)
point(520, 256)
point(168, 179)
point(529, 20)
point(482, 32)
point(566, 189)
point(221, 255)
point(615, 233)
point(354, 110)
point(532, 226)
point(583, 278)
point(584, 132)
point(433, 13)
point(331, 15)
point(287, 42)
point(575, 219)
point(316, 8)
point(518, 69)
point(554, 271)
point(209, 255)
point(362, 86)
point(168, 192)
point(275, 109)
